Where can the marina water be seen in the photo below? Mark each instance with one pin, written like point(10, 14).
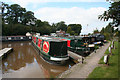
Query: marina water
point(25, 62)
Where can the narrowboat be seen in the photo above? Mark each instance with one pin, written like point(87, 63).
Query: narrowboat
point(93, 40)
point(76, 45)
point(16, 38)
point(98, 39)
point(52, 50)
point(89, 42)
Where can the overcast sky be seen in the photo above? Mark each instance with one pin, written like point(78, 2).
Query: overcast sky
point(84, 12)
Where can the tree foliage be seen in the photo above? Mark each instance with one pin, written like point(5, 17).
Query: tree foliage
point(16, 20)
point(28, 18)
point(14, 14)
point(69, 30)
point(113, 13)
point(108, 31)
point(96, 31)
point(61, 25)
point(76, 28)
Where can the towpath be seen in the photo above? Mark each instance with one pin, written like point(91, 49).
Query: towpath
point(83, 70)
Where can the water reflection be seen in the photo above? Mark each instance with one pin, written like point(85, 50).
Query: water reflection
point(18, 58)
point(24, 61)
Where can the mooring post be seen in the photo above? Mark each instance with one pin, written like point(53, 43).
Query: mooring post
point(82, 60)
point(110, 51)
point(106, 59)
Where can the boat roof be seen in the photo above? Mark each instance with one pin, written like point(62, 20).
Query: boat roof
point(50, 39)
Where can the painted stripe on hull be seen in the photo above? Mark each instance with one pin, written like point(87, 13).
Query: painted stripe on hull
point(59, 59)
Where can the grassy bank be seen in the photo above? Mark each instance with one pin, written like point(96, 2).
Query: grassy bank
point(110, 71)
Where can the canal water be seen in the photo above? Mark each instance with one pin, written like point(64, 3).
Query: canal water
point(25, 62)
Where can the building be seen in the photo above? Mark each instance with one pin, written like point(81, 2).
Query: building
point(60, 33)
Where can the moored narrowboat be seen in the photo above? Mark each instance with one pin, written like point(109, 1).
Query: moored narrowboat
point(15, 38)
point(88, 41)
point(52, 50)
point(77, 46)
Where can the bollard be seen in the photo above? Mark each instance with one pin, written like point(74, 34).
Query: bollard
point(82, 60)
point(110, 51)
point(95, 51)
point(112, 46)
point(106, 59)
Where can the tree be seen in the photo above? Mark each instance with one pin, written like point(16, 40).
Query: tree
point(102, 31)
point(117, 34)
point(46, 23)
point(53, 28)
point(113, 13)
point(108, 31)
point(107, 36)
point(28, 18)
point(38, 23)
point(61, 25)
point(12, 18)
point(45, 30)
point(20, 29)
point(89, 34)
point(76, 28)
point(17, 21)
point(14, 14)
point(73, 33)
point(68, 30)
point(4, 7)
point(96, 31)
point(109, 28)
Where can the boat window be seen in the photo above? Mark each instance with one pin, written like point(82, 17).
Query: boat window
point(58, 48)
point(30, 38)
point(21, 37)
point(9, 38)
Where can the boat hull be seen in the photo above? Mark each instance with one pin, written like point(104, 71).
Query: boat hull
point(51, 59)
point(83, 51)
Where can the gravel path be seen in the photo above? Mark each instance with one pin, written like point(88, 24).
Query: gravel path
point(83, 70)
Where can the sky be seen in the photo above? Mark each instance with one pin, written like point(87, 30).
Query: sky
point(84, 12)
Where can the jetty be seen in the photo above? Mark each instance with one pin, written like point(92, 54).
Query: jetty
point(5, 51)
point(76, 58)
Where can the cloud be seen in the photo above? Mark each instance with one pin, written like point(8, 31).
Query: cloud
point(88, 18)
point(69, 15)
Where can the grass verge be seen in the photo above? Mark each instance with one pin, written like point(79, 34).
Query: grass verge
point(104, 71)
